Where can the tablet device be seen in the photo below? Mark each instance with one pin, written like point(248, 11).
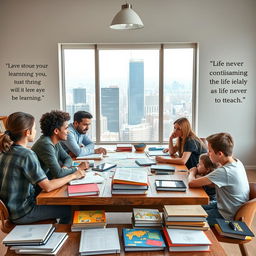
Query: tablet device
point(103, 167)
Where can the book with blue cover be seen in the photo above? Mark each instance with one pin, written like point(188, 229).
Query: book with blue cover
point(238, 230)
point(143, 240)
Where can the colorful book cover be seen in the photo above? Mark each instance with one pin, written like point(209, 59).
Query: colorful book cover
point(97, 216)
point(147, 215)
point(143, 238)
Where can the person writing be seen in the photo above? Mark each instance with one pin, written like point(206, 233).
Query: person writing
point(230, 180)
point(21, 172)
point(188, 146)
point(78, 143)
point(53, 158)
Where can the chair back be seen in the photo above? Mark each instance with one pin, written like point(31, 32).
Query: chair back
point(247, 211)
point(6, 225)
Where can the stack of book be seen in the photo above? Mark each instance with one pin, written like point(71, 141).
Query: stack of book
point(185, 217)
point(181, 240)
point(83, 190)
point(233, 229)
point(143, 240)
point(162, 169)
point(88, 219)
point(146, 218)
point(35, 239)
point(123, 147)
point(130, 181)
point(99, 241)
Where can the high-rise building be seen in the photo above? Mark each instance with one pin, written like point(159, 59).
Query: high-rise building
point(79, 95)
point(136, 92)
point(110, 107)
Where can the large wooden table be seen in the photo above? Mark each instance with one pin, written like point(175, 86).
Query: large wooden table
point(71, 246)
point(106, 200)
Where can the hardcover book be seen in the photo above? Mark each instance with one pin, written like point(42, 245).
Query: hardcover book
point(157, 153)
point(163, 167)
point(83, 190)
point(241, 231)
point(143, 240)
point(29, 235)
point(147, 215)
point(91, 157)
point(145, 162)
point(170, 185)
point(89, 217)
point(99, 241)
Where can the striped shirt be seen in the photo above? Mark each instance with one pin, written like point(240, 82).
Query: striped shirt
point(20, 171)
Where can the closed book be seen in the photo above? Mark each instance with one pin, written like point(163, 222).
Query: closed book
point(145, 162)
point(89, 217)
point(127, 186)
point(204, 227)
point(128, 192)
point(186, 223)
point(186, 240)
point(155, 148)
point(51, 245)
point(147, 215)
point(99, 241)
point(91, 157)
point(184, 213)
point(163, 167)
point(123, 147)
point(143, 239)
point(157, 153)
point(170, 185)
point(29, 234)
point(242, 230)
point(83, 190)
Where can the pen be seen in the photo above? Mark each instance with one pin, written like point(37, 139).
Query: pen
point(231, 224)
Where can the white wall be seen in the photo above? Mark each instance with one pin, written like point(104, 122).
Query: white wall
point(225, 30)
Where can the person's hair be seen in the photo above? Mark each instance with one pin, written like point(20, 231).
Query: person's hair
point(79, 115)
point(187, 132)
point(221, 142)
point(52, 120)
point(15, 125)
point(208, 164)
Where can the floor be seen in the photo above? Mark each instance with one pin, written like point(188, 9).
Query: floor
point(230, 249)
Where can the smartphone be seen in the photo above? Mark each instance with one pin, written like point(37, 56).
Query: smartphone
point(103, 167)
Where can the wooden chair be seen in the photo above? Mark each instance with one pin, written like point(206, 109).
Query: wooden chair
point(7, 225)
point(245, 213)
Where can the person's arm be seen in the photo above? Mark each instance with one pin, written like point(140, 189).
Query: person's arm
point(172, 149)
point(49, 185)
point(179, 160)
point(47, 154)
point(194, 182)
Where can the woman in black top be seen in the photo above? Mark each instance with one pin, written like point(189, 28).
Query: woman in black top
point(188, 146)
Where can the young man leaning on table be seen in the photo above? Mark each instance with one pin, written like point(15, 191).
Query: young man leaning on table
point(78, 143)
point(230, 180)
point(53, 158)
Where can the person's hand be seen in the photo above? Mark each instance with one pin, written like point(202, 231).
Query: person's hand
point(83, 166)
point(173, 135)
point(100, 151)
point(79, 174)
point(160, 159)
point(194, 170)
point(166, 150)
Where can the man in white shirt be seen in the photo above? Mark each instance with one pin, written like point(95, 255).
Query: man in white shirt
point(230, 179)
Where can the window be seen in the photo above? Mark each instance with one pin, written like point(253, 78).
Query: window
point(134, 92)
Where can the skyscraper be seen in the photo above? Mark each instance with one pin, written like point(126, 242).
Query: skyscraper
point(110, 107)
point(136, 92)
point(79, 95)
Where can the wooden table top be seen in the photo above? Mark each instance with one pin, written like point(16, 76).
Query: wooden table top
point(153, 198)
point(71, 246)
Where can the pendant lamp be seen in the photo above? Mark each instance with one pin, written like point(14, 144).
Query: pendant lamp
point(126, 19)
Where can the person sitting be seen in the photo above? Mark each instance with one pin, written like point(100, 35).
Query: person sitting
point(188, 145)
point(21, 171)
point(230, 179)
point(53, 158)
point(78, 143)
point(204, 167)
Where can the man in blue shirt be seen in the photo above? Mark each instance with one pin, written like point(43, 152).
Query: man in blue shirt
point(78, 143)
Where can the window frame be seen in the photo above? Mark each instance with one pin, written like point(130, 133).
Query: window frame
point(158, 46)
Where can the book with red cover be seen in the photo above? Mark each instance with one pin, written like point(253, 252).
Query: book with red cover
point(194, 242)
point(83, 190)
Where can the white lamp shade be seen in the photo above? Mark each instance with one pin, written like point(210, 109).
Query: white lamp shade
point(127, 18)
